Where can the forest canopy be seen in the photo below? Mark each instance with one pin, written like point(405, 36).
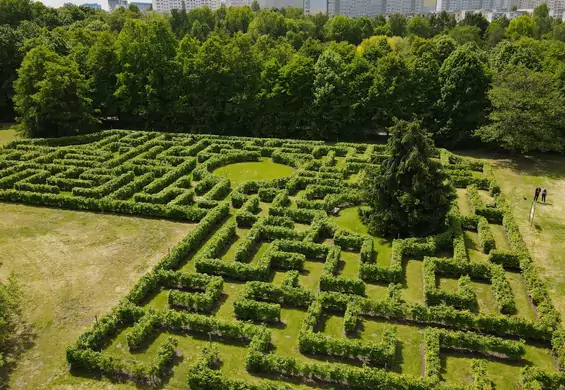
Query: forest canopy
point(280, 73)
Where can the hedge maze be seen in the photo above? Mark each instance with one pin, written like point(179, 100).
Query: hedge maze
point(256, 295)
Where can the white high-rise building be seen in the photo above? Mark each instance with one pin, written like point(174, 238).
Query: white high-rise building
point(115, 4)
point(238, 3)
point(313, 7)
point(169, 5)
point(280, 3)
point(459, 5)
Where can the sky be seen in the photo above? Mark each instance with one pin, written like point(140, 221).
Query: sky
point(59, 3)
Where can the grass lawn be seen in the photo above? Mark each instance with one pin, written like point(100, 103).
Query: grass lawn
point(73, 266)
point(408, 350)
point(518, 179)
point(264, 170)
point(7, 133)
point(348, 218)
point(413, 284)
point(457, 368)
point(463, 201)
point(191, 347)
point(473, 247)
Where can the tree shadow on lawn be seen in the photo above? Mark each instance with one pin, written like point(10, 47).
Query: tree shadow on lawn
point(546, 164)
point(21, 339)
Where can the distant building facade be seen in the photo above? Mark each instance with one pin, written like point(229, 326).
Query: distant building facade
point(238, 3)
point(142, 6)
point(115, 4)
point(357, 8)
point(93, 5)
point(169, 5)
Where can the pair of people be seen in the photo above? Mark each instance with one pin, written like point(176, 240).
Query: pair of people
point(543, 193)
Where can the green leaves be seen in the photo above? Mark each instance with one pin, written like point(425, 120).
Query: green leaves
point(528, 112)
point(464, 81)
point(409, 194)
point(52, 96)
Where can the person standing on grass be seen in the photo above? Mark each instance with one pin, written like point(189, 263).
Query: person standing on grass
point(543, 194)
point(536, 196)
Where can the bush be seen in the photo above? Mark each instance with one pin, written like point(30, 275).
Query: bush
point(246, 309)
point(486, 239)
point(493, 215)
point(283, 295)
point(507, 259)
point(502, 290)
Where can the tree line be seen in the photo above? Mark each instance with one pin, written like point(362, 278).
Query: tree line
point(280, 73)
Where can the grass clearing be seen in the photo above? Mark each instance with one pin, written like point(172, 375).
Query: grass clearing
point(408, 350)
point(463, 201)
point(264, 170)
point(73, 266)
point(473, 247)
point(523, 303)
point(349, 219)
point(7, 133)
point(413, 285)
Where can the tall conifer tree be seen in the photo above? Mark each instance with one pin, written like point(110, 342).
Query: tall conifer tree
point(409, 193)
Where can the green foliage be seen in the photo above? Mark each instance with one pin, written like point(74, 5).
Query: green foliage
point(409, 194)
point(51, 96)
point(419, 26)
point(540, 127)
point(247, 309)
point(522, 26)
point(263, 72)
point(466, 34)
point(464, 81)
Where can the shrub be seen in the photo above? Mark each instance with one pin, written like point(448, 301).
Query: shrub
point(246, 309)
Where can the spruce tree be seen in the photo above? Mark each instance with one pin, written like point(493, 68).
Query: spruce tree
point(409, 193)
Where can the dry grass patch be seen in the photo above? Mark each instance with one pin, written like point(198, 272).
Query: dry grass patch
point(73, 266)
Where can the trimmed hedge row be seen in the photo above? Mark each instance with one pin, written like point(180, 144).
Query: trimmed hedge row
point(287, 294)
point(103, 205)
point(502, 290)
point(163, 197)
point(219, 241)
point(486, 239)
point(171, 176)
point(247, 309)
point(330, 282)
point(469, 341)
point(104, 189)
point(131, 188)
point(508, 259)
point(193, 240)
point(143, 330)
point(199, 302)
point(493, 215)
point(463, 299)
point(371, 272)
point(312, 342)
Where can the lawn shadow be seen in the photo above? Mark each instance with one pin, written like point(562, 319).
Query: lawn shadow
point(21, 339)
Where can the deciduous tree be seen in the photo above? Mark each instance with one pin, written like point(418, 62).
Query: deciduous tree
point(52, 96)
point(464, 81)
point(528, 112)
